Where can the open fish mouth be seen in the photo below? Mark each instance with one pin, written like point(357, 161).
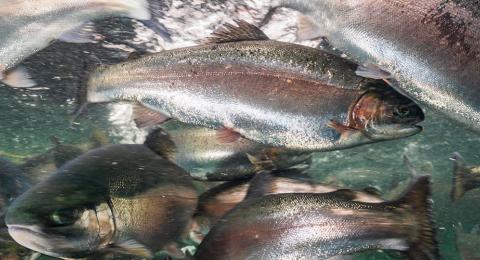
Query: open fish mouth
point(31, 237)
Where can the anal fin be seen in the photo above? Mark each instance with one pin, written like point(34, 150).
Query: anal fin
point(307, 29)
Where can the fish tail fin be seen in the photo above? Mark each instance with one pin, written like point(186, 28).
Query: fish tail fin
point(460, 171)
point(423, 245)
point(18, 78)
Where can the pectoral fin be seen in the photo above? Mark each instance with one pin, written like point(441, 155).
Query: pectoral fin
point(344, 130)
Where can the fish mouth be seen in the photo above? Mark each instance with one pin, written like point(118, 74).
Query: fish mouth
point(31, 237)
point(394, 132)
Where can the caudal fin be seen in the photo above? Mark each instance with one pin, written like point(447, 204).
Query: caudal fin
point(423, 245)
point(460, 171)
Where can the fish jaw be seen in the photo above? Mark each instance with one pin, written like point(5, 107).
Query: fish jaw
point(31, 237)
point(392, 132)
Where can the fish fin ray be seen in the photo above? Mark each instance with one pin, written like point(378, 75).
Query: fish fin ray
point(18, 78)
point(243, 31)
point(161, 143)
point(80, 34)
point(416, 201)
point(227, 135)
point(460, 171)
point(132, 247)
point(372, 71)
point(145, 117)
point(344, 130)
point(260, 185)
point(307, 29)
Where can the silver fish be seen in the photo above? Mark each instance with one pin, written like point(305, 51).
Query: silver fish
point(430, 47)
point(199, 151)
point(119, 198)
point(319, 226)
point(29, 26)
point(270, 92)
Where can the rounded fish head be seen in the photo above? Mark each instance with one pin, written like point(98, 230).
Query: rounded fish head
point(49, 221)
point(385, 114)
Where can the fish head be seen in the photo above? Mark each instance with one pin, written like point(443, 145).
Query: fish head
point(59, 222)
point(383, 114)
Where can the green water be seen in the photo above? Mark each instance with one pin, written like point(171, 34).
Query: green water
point(28, 120)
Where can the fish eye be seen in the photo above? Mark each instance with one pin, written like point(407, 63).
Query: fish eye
point(63, 217)
point(401, 111)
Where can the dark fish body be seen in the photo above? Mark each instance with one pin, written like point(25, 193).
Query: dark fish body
point(199, 151)
point(270, 92)
point(216, 202)
point(431, 47)
point(465, 177)
point(319, 226)
point(118, 198)
point(13, 183)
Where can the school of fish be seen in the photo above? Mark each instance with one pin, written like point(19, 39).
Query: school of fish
point(232, 124)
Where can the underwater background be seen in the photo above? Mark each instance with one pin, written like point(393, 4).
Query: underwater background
point(29, 117)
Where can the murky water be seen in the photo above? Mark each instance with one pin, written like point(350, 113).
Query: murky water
point(31, 116)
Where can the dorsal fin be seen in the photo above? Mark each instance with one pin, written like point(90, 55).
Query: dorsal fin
point(243, 31)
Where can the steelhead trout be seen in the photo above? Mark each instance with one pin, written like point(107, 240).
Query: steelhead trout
point(319, 226)
point(270, 92)
point(121, 199)
point(431, 47)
